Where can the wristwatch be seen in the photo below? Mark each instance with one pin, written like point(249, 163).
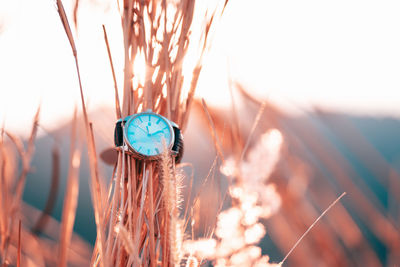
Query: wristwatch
point(147, 134)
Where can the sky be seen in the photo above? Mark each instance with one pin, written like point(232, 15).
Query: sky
point(338, 55)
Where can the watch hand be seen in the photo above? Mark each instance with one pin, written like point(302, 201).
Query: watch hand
point(147, 128)
point(142, 130)
point(157, 132)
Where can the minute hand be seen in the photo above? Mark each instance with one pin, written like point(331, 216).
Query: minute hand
point(157, 132)
point(142, 130)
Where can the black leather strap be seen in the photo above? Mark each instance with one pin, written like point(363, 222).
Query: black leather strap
point(118, 134)
point(178, 147)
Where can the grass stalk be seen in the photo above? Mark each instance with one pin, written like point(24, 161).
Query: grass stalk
point(70, 200)
point(117, 103)
point(19, 245)
point(51, 199)
point(95, 183)
point(311, 226)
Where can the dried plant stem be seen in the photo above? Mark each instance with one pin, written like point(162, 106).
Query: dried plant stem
point(70, 200)
point(128, 39)
point(126, 240)
point(95, 183)
point(4, 193)
point(96, 196)
point(214, 135)
point(51, 199)
point(139, 221)
point(26, 160)
point(19, 245)
point(193, 85)
point(253, 128)
point(151, 218)
point(311, 226)
point(113, 218)
point(117, 103)
point(26, 156)
point(235, 119)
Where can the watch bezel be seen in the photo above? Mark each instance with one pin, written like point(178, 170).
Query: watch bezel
point(132, 149)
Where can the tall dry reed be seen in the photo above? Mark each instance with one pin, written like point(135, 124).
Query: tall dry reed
point(141, 213)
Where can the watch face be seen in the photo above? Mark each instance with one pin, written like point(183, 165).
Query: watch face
point(145, 132)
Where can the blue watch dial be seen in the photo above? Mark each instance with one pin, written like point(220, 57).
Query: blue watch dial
point(145, 133)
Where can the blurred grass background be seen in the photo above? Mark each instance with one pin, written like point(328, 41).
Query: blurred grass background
point(324, 154)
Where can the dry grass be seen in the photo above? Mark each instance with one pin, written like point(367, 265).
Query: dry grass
point(19, 245)
point(71, 199)
point(11, 202)
point(139, 216)
point(139, 205)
